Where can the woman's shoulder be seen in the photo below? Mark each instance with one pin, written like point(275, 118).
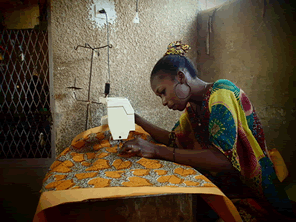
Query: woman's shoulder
point(225, 84)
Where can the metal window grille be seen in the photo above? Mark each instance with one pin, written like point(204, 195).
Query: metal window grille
point(25, 115)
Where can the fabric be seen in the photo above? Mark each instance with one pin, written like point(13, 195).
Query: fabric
point(279, 164)
point(90, 168)
point(228, 121)
point(177, 48)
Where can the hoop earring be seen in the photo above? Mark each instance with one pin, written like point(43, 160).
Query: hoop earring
point(181, 86)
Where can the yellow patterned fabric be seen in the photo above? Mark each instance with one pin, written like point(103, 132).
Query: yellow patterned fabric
point(177, 48)
point(92, 162)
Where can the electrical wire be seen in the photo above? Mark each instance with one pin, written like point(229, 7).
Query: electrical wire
point(107, 24)
point(107, 84)
point(137, 9)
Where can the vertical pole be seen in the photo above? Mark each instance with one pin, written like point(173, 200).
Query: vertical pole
point(89, 85)
point(90, 73)
point(86, 122)
point(107, 24)
point(208, 38)
point(51, 84)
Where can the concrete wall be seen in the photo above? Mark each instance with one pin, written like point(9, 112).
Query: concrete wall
point(258, 55)
point(136, 48)
point(254, 52)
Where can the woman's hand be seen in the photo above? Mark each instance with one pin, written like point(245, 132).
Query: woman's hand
point(158, 134)
point(138, 147)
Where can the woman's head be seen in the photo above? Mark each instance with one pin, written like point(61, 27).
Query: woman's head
point(170, 76)
point(171, 64)
point(169, 80)
point(173, 61)
point(173, 93)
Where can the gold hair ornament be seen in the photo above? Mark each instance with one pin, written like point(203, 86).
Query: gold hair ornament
point(177, 48)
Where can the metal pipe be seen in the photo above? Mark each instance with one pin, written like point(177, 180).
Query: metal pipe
point(86, 122)
point(89, 85)
point(90, 74)
point(208, 38)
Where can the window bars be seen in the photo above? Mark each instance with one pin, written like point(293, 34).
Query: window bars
point(25, 115)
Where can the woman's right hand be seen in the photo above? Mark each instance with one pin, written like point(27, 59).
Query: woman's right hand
point(158, 134)
point(138, 147)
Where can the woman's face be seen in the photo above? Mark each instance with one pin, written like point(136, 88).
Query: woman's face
point(164, 87)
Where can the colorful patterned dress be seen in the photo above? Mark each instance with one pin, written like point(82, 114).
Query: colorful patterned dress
point(228, 121)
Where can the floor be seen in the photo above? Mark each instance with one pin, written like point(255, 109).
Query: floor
point(19, 194)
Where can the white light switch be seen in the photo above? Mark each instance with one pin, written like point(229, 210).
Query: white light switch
point(99, 18)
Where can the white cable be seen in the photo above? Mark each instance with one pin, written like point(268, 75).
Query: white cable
point(108, 47)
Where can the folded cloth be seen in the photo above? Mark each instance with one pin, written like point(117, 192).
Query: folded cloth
point(92, 169)
point(280, 167)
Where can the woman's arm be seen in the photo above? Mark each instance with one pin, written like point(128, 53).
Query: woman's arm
point(158, 134)
point(210, 159)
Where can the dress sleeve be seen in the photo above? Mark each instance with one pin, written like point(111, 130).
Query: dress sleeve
point(229, 130)
point(223, 122)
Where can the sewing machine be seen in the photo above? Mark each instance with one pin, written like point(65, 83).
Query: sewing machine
point(120, 117)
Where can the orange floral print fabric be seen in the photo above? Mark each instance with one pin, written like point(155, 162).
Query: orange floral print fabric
point(92, 161)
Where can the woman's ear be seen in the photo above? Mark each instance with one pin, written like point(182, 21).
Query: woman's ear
point(181, 78)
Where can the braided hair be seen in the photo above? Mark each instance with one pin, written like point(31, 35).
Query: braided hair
point(174, 60)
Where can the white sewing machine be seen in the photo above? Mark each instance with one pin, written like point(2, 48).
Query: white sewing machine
point(120, 117)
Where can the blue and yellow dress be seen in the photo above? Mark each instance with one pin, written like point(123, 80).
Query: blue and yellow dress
point(228, 121)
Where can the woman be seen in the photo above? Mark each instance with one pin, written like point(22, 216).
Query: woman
point(219, 134)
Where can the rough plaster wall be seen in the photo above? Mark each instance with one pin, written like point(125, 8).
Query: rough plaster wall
point(136, 48)
point(258, 55)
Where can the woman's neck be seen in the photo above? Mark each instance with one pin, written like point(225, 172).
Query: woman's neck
point(199, 89)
